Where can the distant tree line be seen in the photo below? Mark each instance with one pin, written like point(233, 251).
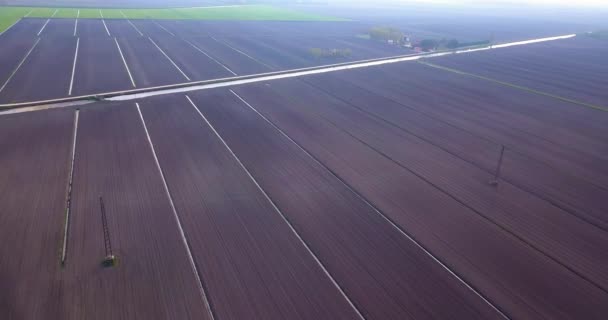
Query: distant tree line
point(319, 53)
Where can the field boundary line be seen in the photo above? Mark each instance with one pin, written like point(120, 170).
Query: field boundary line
point(375, 209)
point(210, 57)
point(74, 67)
point(28, 14)
point(68, 206)
point(245, 79)
point(241, 52)
point(161, 26)
point(76, 22)
point(54, 13)
point(132, 94)
point(131, 23)
point(76, 25)
point(276, 208)
point(193, 263)
point(14, 23)
point(516, 86)
point(20, 64)
point(170, 60)
point(125, 63)
point(105, 26)
point(44, 26)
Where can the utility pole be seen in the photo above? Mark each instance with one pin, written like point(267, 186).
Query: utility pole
point(494, 182)
point(110, 259)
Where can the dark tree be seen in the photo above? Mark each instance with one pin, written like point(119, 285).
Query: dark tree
point(428, 44)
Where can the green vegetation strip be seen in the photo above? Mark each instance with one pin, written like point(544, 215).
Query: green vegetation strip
point(10, 15)
point(508, 84)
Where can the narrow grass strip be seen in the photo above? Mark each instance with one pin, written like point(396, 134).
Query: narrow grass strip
point(508, 84)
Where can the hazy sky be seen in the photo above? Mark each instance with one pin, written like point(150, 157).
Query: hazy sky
point(563, 2)
point(572, 3)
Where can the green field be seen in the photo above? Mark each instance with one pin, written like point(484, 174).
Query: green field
point(9, 15)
